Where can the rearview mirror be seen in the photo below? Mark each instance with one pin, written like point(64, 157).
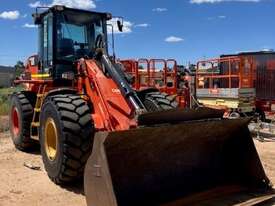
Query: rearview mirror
point(120, 26)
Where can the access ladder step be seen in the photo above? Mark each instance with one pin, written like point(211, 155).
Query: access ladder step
point(35, 124)
point(37, 110)
point(35, 137)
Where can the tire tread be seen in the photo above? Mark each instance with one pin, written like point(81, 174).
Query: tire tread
point(158, 101)
point(25, 102)
point(77, 130)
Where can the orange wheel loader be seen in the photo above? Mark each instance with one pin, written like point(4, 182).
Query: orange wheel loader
point(133, 148)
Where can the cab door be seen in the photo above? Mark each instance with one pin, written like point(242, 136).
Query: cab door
point(45, 52)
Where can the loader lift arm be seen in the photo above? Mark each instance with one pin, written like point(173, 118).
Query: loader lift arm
point(117, 75)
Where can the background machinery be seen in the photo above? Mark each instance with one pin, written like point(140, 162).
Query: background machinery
point(135, 151)
point(239, 83)
point(263, 76)
point(227, 83)
point(162, 74)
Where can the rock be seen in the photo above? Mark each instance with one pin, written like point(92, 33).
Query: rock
point(31, 166)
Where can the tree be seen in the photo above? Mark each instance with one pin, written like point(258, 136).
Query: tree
point(19, 68)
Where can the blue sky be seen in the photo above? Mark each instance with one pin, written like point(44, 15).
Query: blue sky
point(186, 30)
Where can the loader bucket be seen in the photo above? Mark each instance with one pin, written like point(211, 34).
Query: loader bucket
point(188, 163)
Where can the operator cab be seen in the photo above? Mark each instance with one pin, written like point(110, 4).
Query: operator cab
point(66, 35)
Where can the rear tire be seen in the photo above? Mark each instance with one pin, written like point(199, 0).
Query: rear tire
point(21, 114)
point(66, 137)
point(157, 101)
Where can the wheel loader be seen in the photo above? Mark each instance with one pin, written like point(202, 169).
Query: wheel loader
point(131, 147)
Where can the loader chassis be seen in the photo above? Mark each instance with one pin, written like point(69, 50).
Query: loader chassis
point(150, 149)
point(73, 90)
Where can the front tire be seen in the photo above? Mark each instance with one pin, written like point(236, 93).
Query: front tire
point(66, 137)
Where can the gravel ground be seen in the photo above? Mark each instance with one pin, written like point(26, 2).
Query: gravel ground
point(266, 151)
point(22, 186)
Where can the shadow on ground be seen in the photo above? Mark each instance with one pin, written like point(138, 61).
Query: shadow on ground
point(269, 203)
point(77, 187)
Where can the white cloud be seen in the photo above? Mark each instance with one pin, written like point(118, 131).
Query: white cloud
point(220, 1)
point(27, 25)
point(172, 39)
point(11, 15)
point(36, 4)
point(160, 9)
point(218, 17)
point(267, 49)
point(142, 25)
point(79, 4)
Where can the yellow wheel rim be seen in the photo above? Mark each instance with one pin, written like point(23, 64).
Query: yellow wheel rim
point(51, 139)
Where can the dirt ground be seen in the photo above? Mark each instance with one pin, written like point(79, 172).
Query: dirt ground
point(267, 154)
point(4, 123)
point(20, 185)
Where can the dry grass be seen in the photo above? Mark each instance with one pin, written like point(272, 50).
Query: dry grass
point(4, 108)
point(4, 123)
point(5, 99)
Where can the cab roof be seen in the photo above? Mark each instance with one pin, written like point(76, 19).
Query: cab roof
point(60, 8)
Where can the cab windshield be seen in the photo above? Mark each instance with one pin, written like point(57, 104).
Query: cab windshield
point(76, 35)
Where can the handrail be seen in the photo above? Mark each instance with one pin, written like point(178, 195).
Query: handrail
point(149, 67)
point(211, 75)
